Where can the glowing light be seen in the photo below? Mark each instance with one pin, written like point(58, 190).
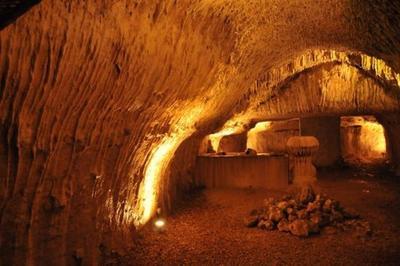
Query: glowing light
point(216, 137)
point(159, 162)
point(252, 139)
point(371, 145)
point(373, 135)
point(159, 223)
point(148, 193)
point(261, 126)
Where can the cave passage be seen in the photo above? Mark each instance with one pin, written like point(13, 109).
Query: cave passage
point(199, 132)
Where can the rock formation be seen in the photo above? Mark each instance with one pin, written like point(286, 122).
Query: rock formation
point(272, 136)
point(363, 140)
point(305, 214)
point(327, 131)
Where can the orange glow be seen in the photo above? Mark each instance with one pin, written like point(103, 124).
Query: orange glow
point(373, 136)
point(162, 153)
point(261, 126)
point(158, 164)
point(160, 157)
point(216, 137)
point(369, 146)
point(159, 223)
point(148, 194)
point(311, 58)
point(252, 133)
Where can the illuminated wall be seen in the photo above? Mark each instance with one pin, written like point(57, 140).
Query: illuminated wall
point(269, 137)
point(363, 140)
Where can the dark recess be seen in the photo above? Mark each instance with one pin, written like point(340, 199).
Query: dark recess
point(10, 10)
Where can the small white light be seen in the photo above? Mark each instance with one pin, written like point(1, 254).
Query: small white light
point(159, 223)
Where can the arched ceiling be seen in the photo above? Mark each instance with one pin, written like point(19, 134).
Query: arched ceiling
point(270, 32)
point(330, 89)
point(264, 99)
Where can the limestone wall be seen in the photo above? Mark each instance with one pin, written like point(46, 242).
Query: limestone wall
point(363, 141)
point(274, 137)
point(327, 131)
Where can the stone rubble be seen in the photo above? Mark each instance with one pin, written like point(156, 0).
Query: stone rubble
point(306, 213)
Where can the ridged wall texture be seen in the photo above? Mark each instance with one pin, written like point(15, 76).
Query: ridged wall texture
point(103, 104)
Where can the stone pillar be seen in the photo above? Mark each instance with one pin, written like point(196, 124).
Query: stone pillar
point(327, 131)
point(391, 123)
point(301, 149)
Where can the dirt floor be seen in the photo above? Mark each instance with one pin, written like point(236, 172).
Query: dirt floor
point(208, 229)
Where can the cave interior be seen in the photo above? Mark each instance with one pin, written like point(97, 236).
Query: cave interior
point(199, 132)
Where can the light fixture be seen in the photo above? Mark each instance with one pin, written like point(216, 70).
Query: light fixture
point(159, 225)
point(159, 222)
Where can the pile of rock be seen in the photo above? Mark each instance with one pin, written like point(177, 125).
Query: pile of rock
point(305, 213)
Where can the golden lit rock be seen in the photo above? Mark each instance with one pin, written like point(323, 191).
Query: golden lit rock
point(104, 104)
point(363, 140)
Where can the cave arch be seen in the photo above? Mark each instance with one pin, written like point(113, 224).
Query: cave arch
point(87, 114)
point(270, 84)
point(360, 66)
point(328, 89)
point(337, 84)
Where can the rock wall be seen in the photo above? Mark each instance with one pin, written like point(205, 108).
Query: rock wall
point(391, 123)
point(327, 131)
point(274, 137)
point(97, 97)
point(233, 143)
point(326, 89)
point(89, 90)
point(331, 88)
point(363, 141)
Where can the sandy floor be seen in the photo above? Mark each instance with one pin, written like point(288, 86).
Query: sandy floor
point(209, 230)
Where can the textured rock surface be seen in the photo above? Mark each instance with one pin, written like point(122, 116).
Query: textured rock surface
point(391, 123)
point(336, 84)
point(363, 140)
point(233, 143)
point(327, 131)
point(271, 137)
point(103, 102)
